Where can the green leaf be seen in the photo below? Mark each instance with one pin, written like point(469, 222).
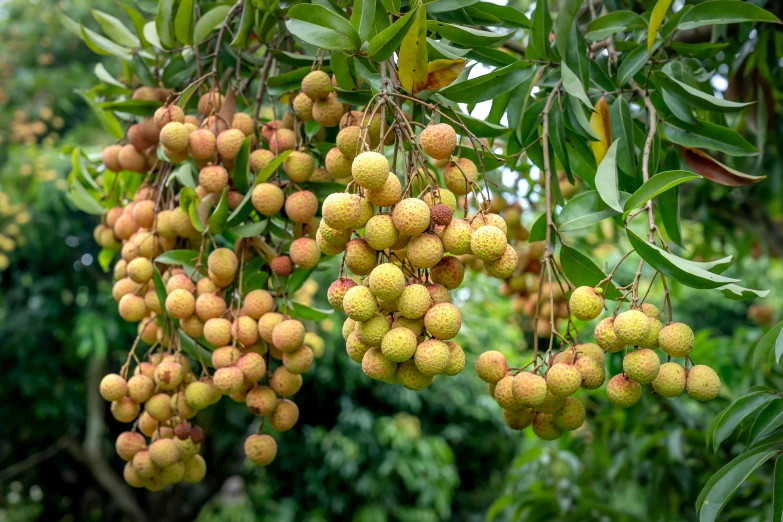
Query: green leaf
point(737, 293)
point(481, 128)
point(323, 28)
point(160, 287)
point(413, 54)
point(183, 22)
point(736, 413)
point(557, 139)
point(363, 17)
point(245, 206)
point(219, 217)
point(138, 107)
point(582, 271)
point(488, 86)
point(105, 257)
point(297, 279)
point(163, 23)
point(777, 491)
point(508, 15)
point(185, 96)
point(298, 60)
point(614, 22)
point(669, 205)
point(769, 419)
point(251, 229)
point(138, 20)
point(696, 97)
point(241, 174)
point(573, 85)
point(83, 200)
point(721, 12)
point(184, 174)
point(576, 57)
point(306, 313)
point(622, 129)
point(678, 107)
point(538, 46)
point(115, 29)
point(656, 19)
point(773, 339)
point(178, 258)
point(208, 22)
point(583, 210)
point(702, 50)
point(566, 12)
point(194, 349)
point(722, 486)
point(706, 135)
point(686, 272)
point(465, 35)
point(392, 6)
point(387, 41)
point(151, 35)
point(104, 76)
point(256, 281)
point(655, 186)
point(606, 179)
point(538, 230)
point(246, 25)
point(632, 64)
point(107, 119)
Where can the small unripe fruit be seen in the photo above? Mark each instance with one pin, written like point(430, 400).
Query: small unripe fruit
point(399, 344)
point(491, 366)
point(371, 331)
point(571, 416)
point(301, 206)
point(260, 449)
point(623, 392)
point(702, 383)
point(529, 389)
point(223, 263)
point(355, 348)
point(113, 387)
point(414, 301)
point(488, 243)
point(387, 281)
point(284, 416)
point(545, 428)
point(349, 141)
point(159, 407)
point(438, 293)
point(641, 365)
point(585, 304)
point(438, 141)
point(671, 380)
point(676, 339)
point(411, 216)
point(195, 470)
point(504, 266)
point(650, 310)
point(143, 465)
point(410, 376)
point(199, 395)
point(459, 177)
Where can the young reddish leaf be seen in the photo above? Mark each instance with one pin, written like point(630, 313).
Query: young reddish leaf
point(716, 171)
point(441, 73)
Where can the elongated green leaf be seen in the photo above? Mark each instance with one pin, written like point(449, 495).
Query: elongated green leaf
point(566, 12)
point(138, 20)
point(722, 486)
point(392, 6)
point(707, 135)
point(717, 12)
point(306, 313)
point(183, 22)
point(115, 29)
point(178, 257)
point(696, 97)
point(184, 174)
point(246, 24)
point(582, 271)
point(488, 86)
point(738, 293)
point(686, 272)
point(655, 186)
point(656, 19)
point(736, 413)
point(242, 167)
point(194, 349)
point(251, 229)
point(770, 418)
point(557, 139)
point(538, 45)
point(669, 205)
point(573, 85)
point(584, 210)
point(363, 17)
point(82, 199)
point(322, 27)
point(138, 107)
point(163, 23)
point(700, 50)
point(772, 340)
point(245, 206)
point(538, 230)
point(632, 64)
point(678, 106)
point(219, 217)
point(151, 35)
point(614, 22)
point(107, 119)
point(481, 128)
point(777, 491)
point(444, 6)
point(160, 287)
point(606, 179)
point(387, 41)
point(465, 35)
point(622, 129)
point(413, 55)
point(506, 14)
point(208, 22)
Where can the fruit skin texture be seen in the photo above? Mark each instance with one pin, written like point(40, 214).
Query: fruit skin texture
point(299, 166)
point(676, 339)
point(399, 344)
point(164, 452)
point(316, 84)
point(180, 304)
point(431, 357)
point(605, 336)
point(387, 281)
point(360, 304)
point(174, 136)
point(504, 394)
point(337, 164)
point(571, 416)
point(298, 361)
point(563, 379)
point(288, 335)
point(260, 449)
point(438, 141)
point(529, 389)
point(456, 359)
point(213, 178)
point(285, 383)
point(425, 251)
point(504, 266)
point(304, 252)
point(456, 237)
point(388, 195)
point(411, 378)
point(488, 243)
point(327, 112)
point(380, 232)
point(285, 415)
point(371, 331)
point(585, 304)
point(303, 107)
point(195, 470)
point(623, 392)
point(491, 366)
point(702, 383)
point(355, 348)
point(113, 387)
point(301, 206)
point(642, 365)
point(229, 142)
point(592, 372)
point(671, 380)
point(651, 341)
point(370, 170)
point(411, 216)
point(128, 444)
point(545, 428)
point(267, 199)
point(443, 321)
point(455, 175)
point(631, 327)
point(518, 420)
point(341, 210)
point(261, 400)
point(376, 366)
point(414, 301)
point(337, 291)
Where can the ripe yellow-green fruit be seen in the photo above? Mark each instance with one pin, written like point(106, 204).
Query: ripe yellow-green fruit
point(288, 335)
point(459, 176)
point(223, 263)
point(167, 114)
point(144, 213)
point(456, 359)
point(414, 325)
point(261, 400)
point(366, 212)
point(355, 348)
point(702, 383)
point(431, 357)
point(414, 301)
point(489, 220)
point(159, 407)
point(370, 170)
point(213, 178)
point(376, 366)
point(303, 107)
point(259, 159)
point(337, 164)
point(298, 361)
point(399, 344)
point(333, 236)
point(125, 409)
point(131, 477)
point(229, 142)
point(245, 330)
point(411, 216)
point(650, 310)
point(443, 321)
point(410, 376)
point(359, 257)
point(438, 141)
point(179, 281)
point(337, 291)
point(243, 122)
point(253, 367)
point(349, 141)
point(327, 112)
point(585, 304)
point(110, 158)
point(229, 379)
point(163, 452)
point(209, 306)
point(132, 308)
point(491, 366)
point(488, 243)
point(438, 293)
point(341, 211)
point(128, 444)
point(113, 387)
point(140, 388)
point(592, 372)
point(545, 428)
point(260, 449)
point(388, 195)
point(676, 339)
point(316, 85)
point(267, 199)
point(641, 365)
point(169, 375)
point(281, 140)
point(267, 323)
point(504, 266)
point(651, 341)
point(304, 252)
point(623, 392)
point(631, 327)
point(518, 420)
point(671, 380)
point(380, 232)
point(210, 103)
point(180, 304)
point(504, 395)
point(285, 415)
point(571, 416)
point(605, 336)
point(360, 304)
point(143, 465)
point(195, 470)
point(552, 404)
point(180, 406)
point(563, 379)
point(529, 389)
point(456, 237)
point(299, 166)
point(217, 331)
point(301, 206)
point(257, 303)
point(387, 281)
point(425, 251)
point(131, 159)
point(371, 331)
point(199, 395)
